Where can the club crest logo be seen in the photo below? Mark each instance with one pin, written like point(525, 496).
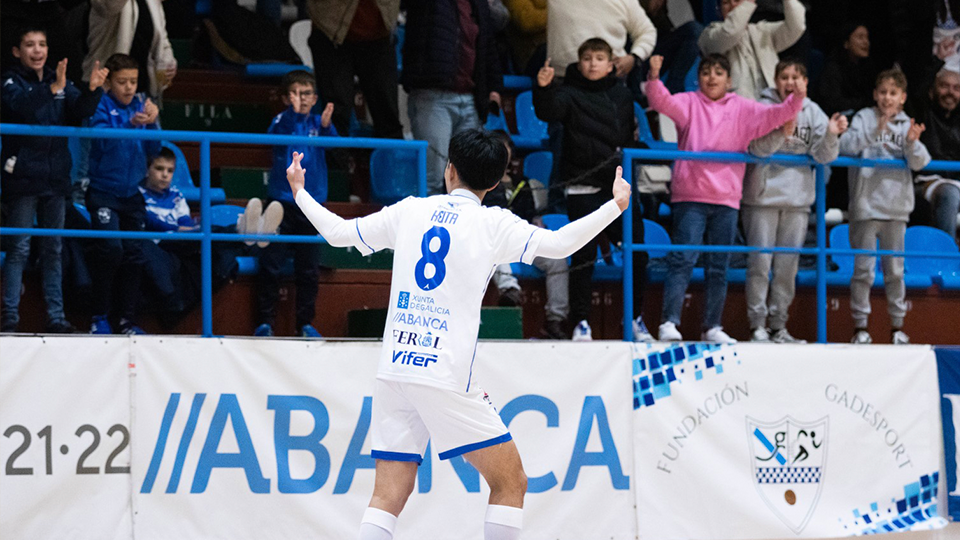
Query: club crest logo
point(788, 458)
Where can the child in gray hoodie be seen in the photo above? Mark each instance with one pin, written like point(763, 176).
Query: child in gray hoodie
point(881, 199)
point(776, 203)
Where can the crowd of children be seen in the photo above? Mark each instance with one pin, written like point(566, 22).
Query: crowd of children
point(130, 184)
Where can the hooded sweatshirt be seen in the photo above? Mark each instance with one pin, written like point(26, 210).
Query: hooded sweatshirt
point(725, 125)
point(882, 193)
point(790, 187)
point(597, 118)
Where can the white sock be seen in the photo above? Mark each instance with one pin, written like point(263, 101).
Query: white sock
point(377, 524)
point(502, 523)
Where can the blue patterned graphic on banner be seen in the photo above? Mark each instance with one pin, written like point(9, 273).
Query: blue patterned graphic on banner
point(917, 510)
point(656, 366)
point(948, 366)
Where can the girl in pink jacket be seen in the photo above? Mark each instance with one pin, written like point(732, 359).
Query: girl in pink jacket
point(705, 196)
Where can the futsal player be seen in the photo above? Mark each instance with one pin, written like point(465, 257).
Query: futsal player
point(446, 247)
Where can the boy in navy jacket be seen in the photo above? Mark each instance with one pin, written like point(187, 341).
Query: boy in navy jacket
point(300, 93)
point(116, 168)
point(35, 173)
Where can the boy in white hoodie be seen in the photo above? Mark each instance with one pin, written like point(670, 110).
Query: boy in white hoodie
point(776, 203)
point(881, 199)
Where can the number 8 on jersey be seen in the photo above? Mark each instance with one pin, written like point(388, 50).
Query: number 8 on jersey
point(433, 258)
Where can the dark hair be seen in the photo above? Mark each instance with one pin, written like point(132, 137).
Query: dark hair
point(297, 76)
point(791, 62)
point(120, 61)
point(712, 60)
point(595, 45)
point(505, 139)
point(28, 29)
point(895, 75)
point(164, 153)
point(479, 157)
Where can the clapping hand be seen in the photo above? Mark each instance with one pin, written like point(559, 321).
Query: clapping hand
point(150, 112)
point(838, 124)
point(913, 134)
point(326, 116)
point(61, 81)
point(98, 76)
point(546, 74)
point(624, 64)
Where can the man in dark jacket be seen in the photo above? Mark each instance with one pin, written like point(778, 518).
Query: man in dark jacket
point(939, 113)
point(596, 112)
point(451, 70)
point(36, 170)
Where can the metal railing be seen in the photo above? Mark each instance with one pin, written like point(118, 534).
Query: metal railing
point(206, 236)
point(821, 251)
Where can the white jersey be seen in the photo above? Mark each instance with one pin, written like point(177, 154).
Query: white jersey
point(446, 248)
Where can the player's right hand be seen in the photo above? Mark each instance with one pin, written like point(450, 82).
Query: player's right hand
point(295, 174)
point(621, 190)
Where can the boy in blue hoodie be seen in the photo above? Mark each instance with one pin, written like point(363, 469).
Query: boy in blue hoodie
point(36, 170)
point(299, 90)
point(116, 168)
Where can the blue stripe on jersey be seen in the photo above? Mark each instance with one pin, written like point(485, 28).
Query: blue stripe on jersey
point(397, 456)
point(525, 246)
point(357, 223)
point(459, 451)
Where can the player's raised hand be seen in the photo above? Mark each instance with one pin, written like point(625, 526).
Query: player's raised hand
point(546, 74)
point(326, 115)
point(621, 190)
point(838, 124)
point(98, 76)
point(913, 134)
point(656, 64)
point(295, 173)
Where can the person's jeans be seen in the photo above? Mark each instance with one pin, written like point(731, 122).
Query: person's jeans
point(695, 223)
point(116, 264)
point(306, 272)
point(946, 204)
point(375, 65)
point(20, 211)
point(436, 116)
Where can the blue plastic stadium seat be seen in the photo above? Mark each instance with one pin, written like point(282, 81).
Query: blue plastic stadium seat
point(840, 239)
point(655, 234)
point(537, 166)
point(646, 134)
point(532, 131)
point(82, 210)
point(250, 266)
point(225, 215)
point(273, 69)
point(551, 222)
point(393, 175)
point(944, 272)
point(517, 83)
point(183, 181)
point(495, 122)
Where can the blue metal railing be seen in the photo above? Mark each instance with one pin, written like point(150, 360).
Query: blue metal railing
point(206, 236)
point(821, 251)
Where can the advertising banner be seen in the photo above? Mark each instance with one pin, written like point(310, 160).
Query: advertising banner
point(948, 364)
point(767, 441)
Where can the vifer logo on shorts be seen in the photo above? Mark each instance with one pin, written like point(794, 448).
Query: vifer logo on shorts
point(403, 302)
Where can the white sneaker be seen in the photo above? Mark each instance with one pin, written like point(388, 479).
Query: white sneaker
point(900, 338)
point(862, 337)
point(760, 335)
point(668, 332)
point(782, 336)
point(270, 221)
point(582, 332)
point(717, 335)
point(640, 332)
point(249, 221)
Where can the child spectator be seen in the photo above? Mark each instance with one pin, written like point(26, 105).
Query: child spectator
point(596, 112)
point(776, 203)
point(752, 48)
point(116, 168)
point(881, 199)
point(36, 170)
point(300, 94)
point(515, 193)
point(706, 196)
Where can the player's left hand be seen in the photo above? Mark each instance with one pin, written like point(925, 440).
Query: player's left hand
point(621, 190)
point(295, 174)
point(327, 115)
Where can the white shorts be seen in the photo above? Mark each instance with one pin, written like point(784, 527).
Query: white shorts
point(406, 416)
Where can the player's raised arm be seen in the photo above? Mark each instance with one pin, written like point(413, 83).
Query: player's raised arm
point(337, 231)
point(562, 243)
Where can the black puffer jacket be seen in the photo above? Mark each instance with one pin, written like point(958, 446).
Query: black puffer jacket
point(597, 118)
point(42, 164)
point(431, 49)
point(942, 136)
